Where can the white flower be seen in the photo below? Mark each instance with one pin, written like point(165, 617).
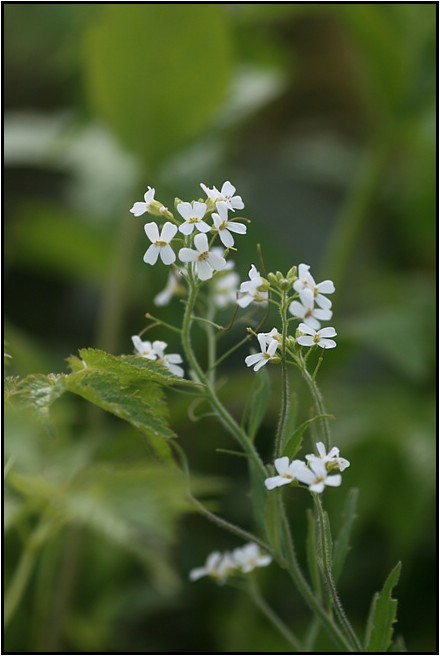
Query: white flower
point(224, 226)
point(225, 289)
point(331, 459)
point(160, 244)
point(249, 557)
point(170, 361)
point(172, 288)
point(250, 289)
point(306, 311)
point(273, 334)
point(140, 208)
point(316, 477)
point(145, 349)
point(286, 473)
point(316, 337)
point(205, 260)
point(267, 353)
point(193, 215)
point(218, 566)
point(226, 194)
point(306, 281)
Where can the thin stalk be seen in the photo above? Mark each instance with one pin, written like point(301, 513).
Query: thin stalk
point(278, 623)
point(319, 403)
point(211, 342)
point(285, 398)
point(325, 549)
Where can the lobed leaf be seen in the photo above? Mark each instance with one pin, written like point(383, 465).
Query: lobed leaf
point(382, 616)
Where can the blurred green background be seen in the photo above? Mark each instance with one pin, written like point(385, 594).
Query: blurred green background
point(323, 117)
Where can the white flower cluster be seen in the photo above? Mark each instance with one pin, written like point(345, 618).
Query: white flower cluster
point(219, 565)
point(316, 473)
point(194, 224)
point(156, 351)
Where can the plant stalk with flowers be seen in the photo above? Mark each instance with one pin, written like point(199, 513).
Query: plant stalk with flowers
point(196, 242)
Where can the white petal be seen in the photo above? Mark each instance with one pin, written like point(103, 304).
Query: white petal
point(237, 203)
point(317, 487)
point(177, 371)
point(138, 209)
point(282, 464)
point(275, 481)
point(174, 358)
point(307, 298)
point(272, 348)
point(334, 481)
point(168, 232)
point(185, 210)
point(244, 301)
point(320, 447)
point(137, 343)
point(186, 228)
point(201, 242)
point(327, 332)
point(262, 341)
point(152, 254)
point(297, 309)
point(305, 340)
point(303, 474)
point(323, 315)
point(343, 463)
point(323, 302)
point(202, 226)
point(250, 360)
point(163, 297)
point(167, 255)
point(226, 238)
point(239, 228)
point(227, 189)
point(149, 195)
point(204, 270)
point(197, 573)
point(304, 328)
point(222, 209)
point(188, 255)
point(260, 364)
point(303, 270)
point(199, 209)
point(216, 261)
point(326, 287)
point(312, 322)
point(327, 343)
point(152, 231)
point(319, 468)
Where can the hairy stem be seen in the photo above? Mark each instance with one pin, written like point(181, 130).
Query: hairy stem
point(284, 412)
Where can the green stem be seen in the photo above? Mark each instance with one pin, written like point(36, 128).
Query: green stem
point(211, 342)
point(326, 566)
point(285, 401)
point(318, 401)
point(261, 603)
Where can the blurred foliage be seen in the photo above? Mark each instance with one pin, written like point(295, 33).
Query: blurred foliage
point(323, 116)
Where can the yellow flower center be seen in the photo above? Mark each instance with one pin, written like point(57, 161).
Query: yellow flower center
point(203, 256)
point(160, 243)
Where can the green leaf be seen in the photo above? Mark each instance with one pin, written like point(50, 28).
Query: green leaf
point(294, 443)
point(39, 391)
point(259, 402)
point(311, 553)
point(129, 387)
point(157, 73)
point(258, 494)
point(382, 616)
point(272, 520)
point(341, 546)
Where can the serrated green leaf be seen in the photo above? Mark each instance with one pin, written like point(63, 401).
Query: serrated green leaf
point(156, 73)
point(341, 546)
point(258, 403)
point(294, 442)
point(382, 616)
point(39, 391)
point(128, 387)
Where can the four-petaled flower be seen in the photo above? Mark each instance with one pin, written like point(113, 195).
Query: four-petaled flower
point(316, 475)
point(331, 459)
point(145, 349)
point(226, 194)
point(206, 261)
point(249, 557)
point(193, 215)
point(224, 226)
point(258, 360)
point(250, 290)
point(316, 337)
point(140, 208)
point(286, 473)
point(306, 310)
point(305, 280)
point(218, 566)
point(170, 361)
point(160, 244)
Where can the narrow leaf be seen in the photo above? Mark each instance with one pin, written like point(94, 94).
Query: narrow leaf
point(382, 616)
point(294, 443)
point(341, 545)
point(272, 520)
point(311, 553)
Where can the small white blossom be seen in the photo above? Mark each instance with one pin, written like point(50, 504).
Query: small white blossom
point(273, 334)
point(250, 291)
point(193, 215)
point(206, 261)
point(286, 473)
point(316, 337)
point(306, 281)
point(316, 475)
point(224, 226)
point(172, 288)
point(140, 208)
point(331, 459)
point(218, 566)
point(258, 360)
point(170, 361)
point(227, 194)
point(225, 289)
point(306, 311)
point(249, 557)
point(160, 244)
point(145, 349)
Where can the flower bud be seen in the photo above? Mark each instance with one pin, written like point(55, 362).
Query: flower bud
point(291, 274)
